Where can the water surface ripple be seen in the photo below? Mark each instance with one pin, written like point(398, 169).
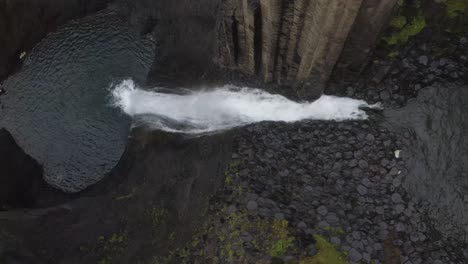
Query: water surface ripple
point(57, 107)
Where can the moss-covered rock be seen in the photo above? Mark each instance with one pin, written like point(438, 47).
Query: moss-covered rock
point(405, 30)
point(327, 253)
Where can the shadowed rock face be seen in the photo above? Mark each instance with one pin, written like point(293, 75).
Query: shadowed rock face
point(151, 202)
point(297, 43)
point(21, 179)
point(360, 45)
point(23, 23)
point(289, 44)
point(186, 34)
point(19, 174)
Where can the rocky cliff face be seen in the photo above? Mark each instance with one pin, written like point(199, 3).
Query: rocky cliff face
point(297, 43)
point(186, 37)
point(23, 23)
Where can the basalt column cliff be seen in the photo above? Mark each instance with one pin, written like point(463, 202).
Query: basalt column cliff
point(298, 43)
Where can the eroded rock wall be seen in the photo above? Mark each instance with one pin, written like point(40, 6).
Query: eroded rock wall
point(297, 43)
point(360, 45)
point(186, 32)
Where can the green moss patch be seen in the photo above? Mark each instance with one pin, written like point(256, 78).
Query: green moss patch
point(399, 22)
point(112, 247)
point(456, 8)
point(414, 27)
point(327, 253)
point(281, 241)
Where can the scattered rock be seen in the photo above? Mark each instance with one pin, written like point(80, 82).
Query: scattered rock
point(362, 190)
point(252, 206)
point(424, 60)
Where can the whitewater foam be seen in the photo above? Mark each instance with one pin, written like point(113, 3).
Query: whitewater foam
point(226, 107)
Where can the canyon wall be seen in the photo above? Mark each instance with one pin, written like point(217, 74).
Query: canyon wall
point(23, 23)
point(293, 44)
point(297, 43)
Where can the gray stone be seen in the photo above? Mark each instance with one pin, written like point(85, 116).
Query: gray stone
point(335, 241)
point(354, 255)
point(443, 61)
point(382, 234)
point(363, 164)
point(246, 236)
point(396, 182)
point(322, 210)
point(383, 225)
point(366, 182)
point(366, 257)
point(279, 216)
point(384, 95)
point(350, 91)
point(357, 244)
point(396, 198)
point(393, 171)
point(380, 210)
point(284, 173)
point(370, 137)
point(408, 248)
point(231, 209)
point(302, 225)
point(399, 208)
point(414, 236)
point(400, 227)
point(252, 205)
point(332, 218)
point(356, 172)
point(356, 235)
point(424, 60)
point(311, 250)
point(362, 190)
point(378, 247)
point(422, 237)
point(323, 225)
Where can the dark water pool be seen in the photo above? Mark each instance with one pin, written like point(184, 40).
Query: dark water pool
point(58, 106)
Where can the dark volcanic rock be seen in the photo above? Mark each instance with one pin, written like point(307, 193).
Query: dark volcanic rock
point(359, 209)
point(21, 181)
point(186, 32)
point(149, 204)
point(20, 175)
point(437, 153)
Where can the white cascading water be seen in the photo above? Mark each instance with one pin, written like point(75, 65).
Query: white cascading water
point(226, 107)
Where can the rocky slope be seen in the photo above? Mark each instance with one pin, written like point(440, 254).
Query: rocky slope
point(293, 188)
point(149, 204)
